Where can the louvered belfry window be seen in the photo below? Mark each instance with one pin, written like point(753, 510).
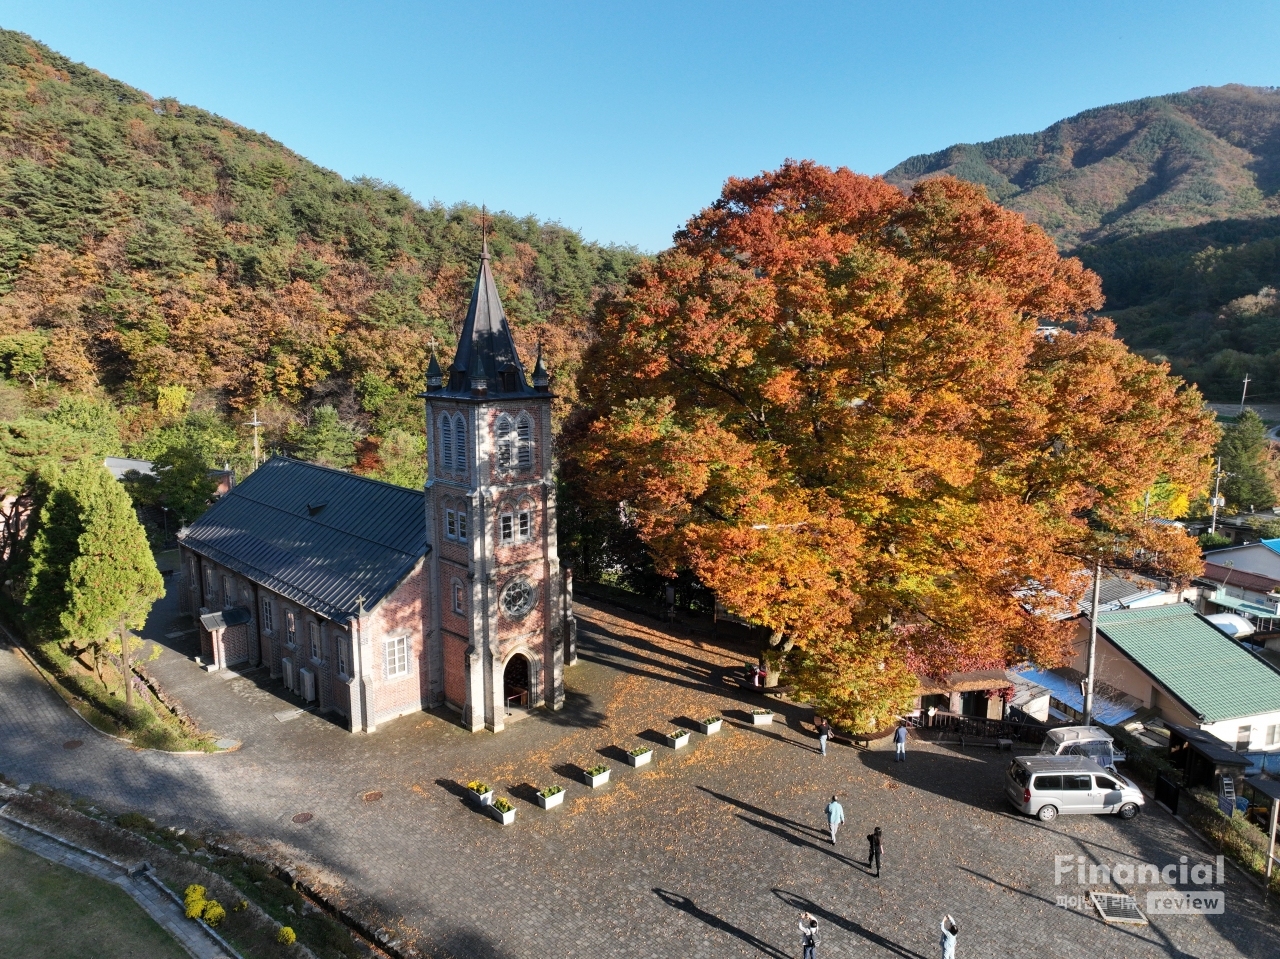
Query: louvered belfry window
point(524, 433)
point(459, 444)
point(506, 442)
point(446, 442)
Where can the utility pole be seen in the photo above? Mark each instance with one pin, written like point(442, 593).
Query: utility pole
point(1093, 643)
point(1244, 392)
point(255, 424)
point(1217, 500)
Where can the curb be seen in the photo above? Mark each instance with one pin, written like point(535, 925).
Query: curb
point(209, 930)
point(140, 872)
point(68, 702)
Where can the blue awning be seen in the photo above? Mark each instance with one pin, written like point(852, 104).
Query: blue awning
point(1065, 691)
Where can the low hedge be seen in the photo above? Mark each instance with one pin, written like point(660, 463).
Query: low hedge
point(1238, 838)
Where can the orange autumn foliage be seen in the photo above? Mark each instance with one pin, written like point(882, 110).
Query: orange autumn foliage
point(831, 402)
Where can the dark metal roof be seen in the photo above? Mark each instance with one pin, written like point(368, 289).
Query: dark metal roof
point(486, 347)
point(319, 536)
point(1209, 746)
point(235, 616)
point(1238, 577)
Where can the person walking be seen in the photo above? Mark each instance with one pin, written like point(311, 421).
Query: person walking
point(875, 846)
point(949, 933)
point(809, 935)
point(835, 817)
point(824, 733)
point(900, 741)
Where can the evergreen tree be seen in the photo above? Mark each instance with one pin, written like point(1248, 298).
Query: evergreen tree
point(91, 576)
point(182, 483)
point(327, 441)
point(1249, 476)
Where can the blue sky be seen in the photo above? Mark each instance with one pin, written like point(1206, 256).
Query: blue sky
point(622, 120)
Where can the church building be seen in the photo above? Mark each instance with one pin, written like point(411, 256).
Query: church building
point(370, 600)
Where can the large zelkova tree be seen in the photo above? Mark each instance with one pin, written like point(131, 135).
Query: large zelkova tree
point(838, 406)
point(1248, 464)
point(91, 576)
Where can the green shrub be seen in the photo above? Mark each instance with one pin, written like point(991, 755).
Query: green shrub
point(1235, 836)
point(134, 821)
point(597, 770)
point(550, 791)
point(286, 936)
point(1143, 761)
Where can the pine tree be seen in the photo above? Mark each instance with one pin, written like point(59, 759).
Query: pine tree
point(1249, 476)
point(91, 575)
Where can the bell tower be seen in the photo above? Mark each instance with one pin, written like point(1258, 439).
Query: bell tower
point(501, 613)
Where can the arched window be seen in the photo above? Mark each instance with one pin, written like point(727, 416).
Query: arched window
point(524, 434)
point(459, 444)
point(524, 521)
point(506, 440)
point(446, 442)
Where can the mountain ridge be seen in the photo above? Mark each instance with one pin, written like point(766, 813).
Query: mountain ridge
point(1129, 168)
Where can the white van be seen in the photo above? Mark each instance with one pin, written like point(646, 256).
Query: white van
point(1090, 741)
point(1049, 786)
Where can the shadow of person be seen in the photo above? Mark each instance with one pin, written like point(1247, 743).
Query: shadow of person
point(688, 906)
point(821, 833)
point(802, 904)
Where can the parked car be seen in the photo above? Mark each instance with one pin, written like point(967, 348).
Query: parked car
point(1090, 741)
point(1049, 786)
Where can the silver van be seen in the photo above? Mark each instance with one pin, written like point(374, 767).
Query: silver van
point(1049, 786)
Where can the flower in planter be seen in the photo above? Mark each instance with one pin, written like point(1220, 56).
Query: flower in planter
point(678, 734)
point(761, 712)
point(597, 770)
point(550, 791)
point(640, 751)
point(711, 719)
point(477, 787)
point(502, 805)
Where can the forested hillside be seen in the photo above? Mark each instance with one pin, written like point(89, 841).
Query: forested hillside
point(164, 272)
point(1174, 201)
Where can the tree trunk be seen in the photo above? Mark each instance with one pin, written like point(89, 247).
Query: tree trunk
point(780, 642)
point(125, 667)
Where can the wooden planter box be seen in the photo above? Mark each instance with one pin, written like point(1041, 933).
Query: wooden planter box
point(506, 818)
point(481, 799)
point(640, 760)
point(550, 802)
point(762, 719)
point(675, 742)
point(596, 781)
point(709, 729)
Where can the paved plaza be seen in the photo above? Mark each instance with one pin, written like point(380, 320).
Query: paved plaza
point(710, 851)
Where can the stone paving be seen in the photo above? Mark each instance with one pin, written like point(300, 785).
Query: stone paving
point(709, 851)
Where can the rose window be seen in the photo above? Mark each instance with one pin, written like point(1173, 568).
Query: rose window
point(517, 599)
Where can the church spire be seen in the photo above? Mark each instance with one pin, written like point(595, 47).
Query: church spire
point(486, 345)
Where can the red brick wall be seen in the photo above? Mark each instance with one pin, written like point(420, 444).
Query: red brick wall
point(235, 643)
point(403, 613)
point(455, 671)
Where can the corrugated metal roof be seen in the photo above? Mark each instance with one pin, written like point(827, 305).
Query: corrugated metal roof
point(1212, 674)
point(319, 536)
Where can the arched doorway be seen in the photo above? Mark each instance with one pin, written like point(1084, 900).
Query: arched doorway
point(516, 685)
